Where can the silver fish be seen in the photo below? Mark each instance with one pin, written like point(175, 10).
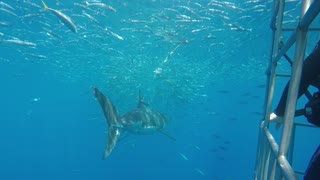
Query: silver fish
point(64, 18)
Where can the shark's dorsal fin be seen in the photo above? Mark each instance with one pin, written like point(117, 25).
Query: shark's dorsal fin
point(141, 103)
point(167, 134)
point(140, 96)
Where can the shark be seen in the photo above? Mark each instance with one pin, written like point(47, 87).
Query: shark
point(142, 120)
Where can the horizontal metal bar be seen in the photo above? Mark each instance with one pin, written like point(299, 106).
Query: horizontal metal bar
point(299, 172)
point(314, 29)
point(305, 125)
point(289, 29)
point(283, 75)
point(294, 28)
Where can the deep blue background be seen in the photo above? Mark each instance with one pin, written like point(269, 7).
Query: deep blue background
point(212, 89)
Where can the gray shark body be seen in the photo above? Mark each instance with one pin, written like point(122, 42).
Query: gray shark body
point(141, 120)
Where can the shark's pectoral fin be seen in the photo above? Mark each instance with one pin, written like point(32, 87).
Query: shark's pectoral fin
point(167, 134)
point(113, 136)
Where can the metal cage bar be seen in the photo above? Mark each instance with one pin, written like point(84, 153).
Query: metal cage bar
point(273, 160)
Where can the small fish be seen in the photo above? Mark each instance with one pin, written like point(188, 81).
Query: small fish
point(38, 56)
point(35, 99)
point(198, 30)
point(199, 5)
point(19, 42)
point(6, 5)
point(2, 23)
point(8, 12)
point(32, 4)
point(64, 18)
point(189, 20)
point(184, 156)
point(197, 147)
point(200, 172)
point(102, 5)
point(115, 35)
point(30, 15)
point(90, 17)
point(171, 10)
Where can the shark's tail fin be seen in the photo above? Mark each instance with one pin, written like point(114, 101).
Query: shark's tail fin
point(113, 120)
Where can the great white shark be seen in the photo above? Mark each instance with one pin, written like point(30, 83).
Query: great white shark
point(141, 120)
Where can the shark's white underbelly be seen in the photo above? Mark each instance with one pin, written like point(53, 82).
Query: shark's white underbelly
point(139, 128)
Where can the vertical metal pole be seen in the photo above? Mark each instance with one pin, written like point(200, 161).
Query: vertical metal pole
point(271, 72)
point(260, 151)
point(294, 86)
point(274, 167)
point(263, 158)
point(267, 163)
point(291, 146)
point(274, 49)
point(276, 26)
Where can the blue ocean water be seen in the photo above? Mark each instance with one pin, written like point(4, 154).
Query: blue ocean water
point(201, 63)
